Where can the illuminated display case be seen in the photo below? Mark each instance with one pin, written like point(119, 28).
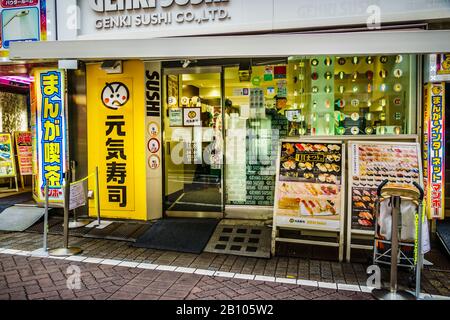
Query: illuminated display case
point(351, 95)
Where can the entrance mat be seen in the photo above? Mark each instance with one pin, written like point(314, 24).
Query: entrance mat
point(241, 240)
point(183, 235)
point(124, 232)
point(19, 218)
point(10, 201)
point(443, 232)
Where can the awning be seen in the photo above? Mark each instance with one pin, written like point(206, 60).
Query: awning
point(369, 42)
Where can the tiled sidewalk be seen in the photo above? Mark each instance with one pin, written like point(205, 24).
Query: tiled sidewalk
point(435, 281)
point(33, 278)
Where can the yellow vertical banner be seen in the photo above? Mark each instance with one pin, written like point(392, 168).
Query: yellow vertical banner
point(434, 149)
point(116, 139)
point(49, 133)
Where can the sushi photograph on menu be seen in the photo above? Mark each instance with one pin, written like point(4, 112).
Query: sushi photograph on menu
point(371, 165)
point(310, 182)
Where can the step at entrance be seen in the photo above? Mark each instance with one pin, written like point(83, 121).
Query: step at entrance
point(241, 240)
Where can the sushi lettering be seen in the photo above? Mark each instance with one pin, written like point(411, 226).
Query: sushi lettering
point(153, 95)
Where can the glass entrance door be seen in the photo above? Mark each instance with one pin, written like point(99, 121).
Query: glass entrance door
point(193, 149)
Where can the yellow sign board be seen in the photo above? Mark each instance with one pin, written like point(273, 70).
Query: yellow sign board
point(434, 149)
point(50, 133)
point(116, 140)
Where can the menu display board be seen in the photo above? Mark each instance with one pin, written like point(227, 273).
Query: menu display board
point(24, 152)
point(7, 166)
point(370, 165)
point(309, 185)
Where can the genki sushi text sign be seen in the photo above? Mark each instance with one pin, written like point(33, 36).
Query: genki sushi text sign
point(124, 14)
point(51, 133)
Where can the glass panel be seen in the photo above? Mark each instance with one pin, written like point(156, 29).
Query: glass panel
point(355, 95)
point(308, 96)
point(193, 150)
point(253, 129)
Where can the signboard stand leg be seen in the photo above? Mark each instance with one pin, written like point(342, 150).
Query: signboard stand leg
point(97, 197)
point(44, 250)
point(22, 182)
point(66, 250)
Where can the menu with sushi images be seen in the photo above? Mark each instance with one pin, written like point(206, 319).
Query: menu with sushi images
point(371, 164)
point(309, 184)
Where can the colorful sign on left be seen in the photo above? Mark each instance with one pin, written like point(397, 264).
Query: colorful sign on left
point(24, 152)
point(7, 167)
point(22, 20)
point(51, 133)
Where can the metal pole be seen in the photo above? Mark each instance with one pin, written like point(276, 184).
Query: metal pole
point(97, 196)
point(66, 189)
point(392, 293)
point(394, 244)
point(45, 244)
point(66, 251)
point(419, 252)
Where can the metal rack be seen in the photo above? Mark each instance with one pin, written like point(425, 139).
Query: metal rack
point(396, 194)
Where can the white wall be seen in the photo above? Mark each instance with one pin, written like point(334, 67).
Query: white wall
point(249, 15)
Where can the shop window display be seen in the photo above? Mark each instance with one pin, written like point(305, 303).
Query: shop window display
point(353, 95)
point(309, 96)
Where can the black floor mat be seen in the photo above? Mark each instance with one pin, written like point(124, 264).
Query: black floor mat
point(182, 235)
point(9, 201)
point(139, 232)
point(443, 232)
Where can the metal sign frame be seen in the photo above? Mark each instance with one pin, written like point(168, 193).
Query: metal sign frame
point(317, 230)
point(364, 233)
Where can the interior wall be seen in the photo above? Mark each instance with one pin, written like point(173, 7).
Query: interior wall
point(13, 112)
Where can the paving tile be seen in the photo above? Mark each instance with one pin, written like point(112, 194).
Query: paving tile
point(327, 285)
point(244, 276)
point(185, 270)
point(224, 274)
point(93, 260)
point(309, 283)
point(348, 287)
point(286, 280)
point(111, 262)
point(166, 268)
point(204, 272)
point(128, 264)
point(265, 278)
point(147, 266)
